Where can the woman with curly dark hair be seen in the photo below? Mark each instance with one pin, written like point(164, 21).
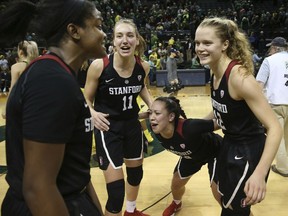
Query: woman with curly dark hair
point(191, 139)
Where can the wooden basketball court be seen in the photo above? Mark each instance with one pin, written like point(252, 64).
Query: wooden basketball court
point(154, 194)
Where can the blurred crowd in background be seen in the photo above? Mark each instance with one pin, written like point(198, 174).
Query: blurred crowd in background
point(167, 24)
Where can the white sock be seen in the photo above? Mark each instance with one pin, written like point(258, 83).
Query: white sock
point(130, 206)
point(177, 201)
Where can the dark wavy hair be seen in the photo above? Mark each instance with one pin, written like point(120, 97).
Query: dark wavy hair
point(172, 104)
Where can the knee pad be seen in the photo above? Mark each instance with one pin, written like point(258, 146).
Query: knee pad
point(134, 175)
point(116, 193)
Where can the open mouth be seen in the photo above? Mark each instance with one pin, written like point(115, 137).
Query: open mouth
point(125, 48)
point(154, 126)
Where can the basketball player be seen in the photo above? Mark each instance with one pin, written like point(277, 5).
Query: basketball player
point(191, 139)
point(241, 111)
point(27, 51)
point(48, 125)
point(112, 85)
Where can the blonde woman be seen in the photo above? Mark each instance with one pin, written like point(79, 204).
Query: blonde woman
point(241, 111)
point(112, 87)
point(27, 51)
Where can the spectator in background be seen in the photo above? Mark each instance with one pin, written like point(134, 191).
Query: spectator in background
point(161, 49)
point(154, 54)
point(262, 44)
point(256, 61)
point(173, 59)
point(163, 60)
point(245, 25)
point(195, 62)
point(3, 63)
point(273, 78)
point(152, 72)
point(4, 74)
point(189, 49)
point(171, 41)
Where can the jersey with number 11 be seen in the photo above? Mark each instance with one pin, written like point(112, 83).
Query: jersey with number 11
point(117, 95)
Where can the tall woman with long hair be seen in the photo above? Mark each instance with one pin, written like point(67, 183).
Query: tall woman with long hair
point(112, 86)
point(242, 112)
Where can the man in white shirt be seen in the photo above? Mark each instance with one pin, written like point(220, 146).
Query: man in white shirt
point(273, 78)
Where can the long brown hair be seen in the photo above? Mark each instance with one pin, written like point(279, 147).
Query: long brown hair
point(239, 47)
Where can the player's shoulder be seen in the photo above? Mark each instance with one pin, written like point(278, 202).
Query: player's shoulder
point(145, 65)
point(97, 64)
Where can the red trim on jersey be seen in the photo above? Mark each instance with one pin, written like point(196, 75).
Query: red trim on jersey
point(229, 68)
point(179, 128)
point(139, 61)
point(105, 61)
point(52, 57)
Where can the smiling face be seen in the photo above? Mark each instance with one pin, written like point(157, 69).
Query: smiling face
point(208, 46)
point(125, 39)
point(160, 119)
point(92, 37)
